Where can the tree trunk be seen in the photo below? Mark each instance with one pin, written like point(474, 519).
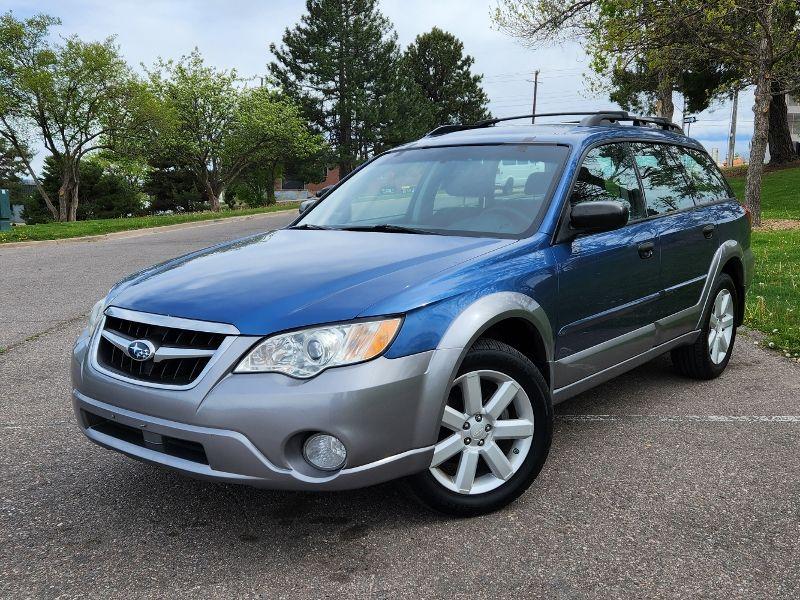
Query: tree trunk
point(664, 106)
point(758, 146)
point(212, 193)
point(781, 148)
point(213, 200)
point(68, 191)
point(73, 205)
point(273, 168)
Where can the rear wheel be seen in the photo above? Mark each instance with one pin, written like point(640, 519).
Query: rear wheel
point(495, 433)
point(710, 354)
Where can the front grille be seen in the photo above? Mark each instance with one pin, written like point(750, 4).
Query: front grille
point(174, 371)
point(179, 448)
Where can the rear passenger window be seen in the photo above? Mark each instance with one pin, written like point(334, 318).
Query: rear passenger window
point(707, 181)
point(607, 173)
point(666, 187)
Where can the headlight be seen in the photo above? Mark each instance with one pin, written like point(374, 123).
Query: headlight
point(95, 316)
point(308, 352)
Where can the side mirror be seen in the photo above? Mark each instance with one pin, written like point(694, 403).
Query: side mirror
point(597, 216)
point(306, 204)
point(321, 192)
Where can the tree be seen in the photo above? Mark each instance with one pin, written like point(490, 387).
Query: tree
point(635, 88)
point(102, 194)
point(219, 131)
point(758, 37)
point(77, 96)
point(441, 87)
point(340, 63)
point(779, 136)
point(172, 188)
point(616, 34)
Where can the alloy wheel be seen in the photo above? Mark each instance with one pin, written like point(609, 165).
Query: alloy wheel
point(720, 327)
point(486, 433)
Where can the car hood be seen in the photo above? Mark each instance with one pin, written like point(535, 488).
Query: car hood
point(293, 278)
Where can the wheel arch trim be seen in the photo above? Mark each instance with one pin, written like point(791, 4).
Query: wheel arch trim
point(459, 337)
point(489, 310)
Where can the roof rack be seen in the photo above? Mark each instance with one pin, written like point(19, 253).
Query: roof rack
point(604, 117)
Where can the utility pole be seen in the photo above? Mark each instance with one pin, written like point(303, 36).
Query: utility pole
point(535, 91)
point(732, 134)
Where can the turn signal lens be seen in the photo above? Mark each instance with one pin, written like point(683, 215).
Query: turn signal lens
point(308, 352)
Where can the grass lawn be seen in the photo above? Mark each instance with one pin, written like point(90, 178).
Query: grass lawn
point(773, 302)
point(57, 231)
point(780, 193)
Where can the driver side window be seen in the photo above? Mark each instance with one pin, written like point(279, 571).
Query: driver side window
point(608, 173)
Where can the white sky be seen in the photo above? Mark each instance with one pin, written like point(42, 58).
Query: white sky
point(237, 33)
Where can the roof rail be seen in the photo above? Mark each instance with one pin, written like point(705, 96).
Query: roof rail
point(604, 117)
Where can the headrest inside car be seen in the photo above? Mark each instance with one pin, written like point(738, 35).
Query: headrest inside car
point(470, 180)
point(537, 184)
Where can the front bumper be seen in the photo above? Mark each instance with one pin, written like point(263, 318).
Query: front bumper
point(249, 428)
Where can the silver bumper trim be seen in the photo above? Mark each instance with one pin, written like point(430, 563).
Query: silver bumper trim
point(225, 447)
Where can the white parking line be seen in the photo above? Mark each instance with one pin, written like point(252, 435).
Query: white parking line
point(686, 418)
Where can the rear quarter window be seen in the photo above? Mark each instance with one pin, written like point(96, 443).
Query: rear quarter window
point(664, 182)
point(708, 183)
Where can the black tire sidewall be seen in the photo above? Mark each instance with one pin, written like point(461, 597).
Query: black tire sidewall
point(506, 360)
point(724, 281)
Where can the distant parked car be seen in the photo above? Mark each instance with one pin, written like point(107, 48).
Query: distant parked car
point(435, 327)
point(513, 174)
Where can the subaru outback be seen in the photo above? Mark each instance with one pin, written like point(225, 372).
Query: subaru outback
point(458, 287)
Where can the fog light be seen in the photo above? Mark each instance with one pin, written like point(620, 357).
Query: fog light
point(325, 452)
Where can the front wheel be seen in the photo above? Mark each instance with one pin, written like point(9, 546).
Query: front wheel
point(709, 355)
point(494, 436)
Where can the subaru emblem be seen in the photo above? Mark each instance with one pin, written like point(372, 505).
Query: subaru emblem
point(141, 350)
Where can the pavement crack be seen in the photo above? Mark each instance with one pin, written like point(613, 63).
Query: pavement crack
point(52, 329)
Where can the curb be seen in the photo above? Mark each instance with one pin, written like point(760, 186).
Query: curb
point(131, 233)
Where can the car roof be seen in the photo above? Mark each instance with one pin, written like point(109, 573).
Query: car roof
point(572, 134)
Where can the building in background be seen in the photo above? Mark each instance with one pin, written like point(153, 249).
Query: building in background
point(290, 188)
point(715, 155)
point(793, 106)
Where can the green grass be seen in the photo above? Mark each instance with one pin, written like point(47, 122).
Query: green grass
point(773, 302)
point(58, 231)
point(780, 193)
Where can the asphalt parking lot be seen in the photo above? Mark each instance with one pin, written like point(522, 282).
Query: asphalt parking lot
point(656, 486)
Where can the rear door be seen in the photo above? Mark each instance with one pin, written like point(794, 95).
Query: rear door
point(608, 282)
point(686, 233)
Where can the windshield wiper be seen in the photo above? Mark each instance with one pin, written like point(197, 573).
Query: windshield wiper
point(310, 226)
point(389, 228)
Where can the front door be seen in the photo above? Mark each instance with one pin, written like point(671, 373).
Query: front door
point(608, 282)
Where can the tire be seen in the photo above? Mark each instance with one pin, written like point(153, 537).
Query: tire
point(499, 371)
point(699, 361)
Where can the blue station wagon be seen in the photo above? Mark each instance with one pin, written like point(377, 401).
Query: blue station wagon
point(421, 319)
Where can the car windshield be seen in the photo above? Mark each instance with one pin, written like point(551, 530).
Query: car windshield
point(496, 191)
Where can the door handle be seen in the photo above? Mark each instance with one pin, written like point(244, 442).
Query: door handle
point(708, 230)
point(646, 249)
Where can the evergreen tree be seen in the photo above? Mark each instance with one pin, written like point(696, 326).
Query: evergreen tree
point(435, 64)
point(340, 63)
